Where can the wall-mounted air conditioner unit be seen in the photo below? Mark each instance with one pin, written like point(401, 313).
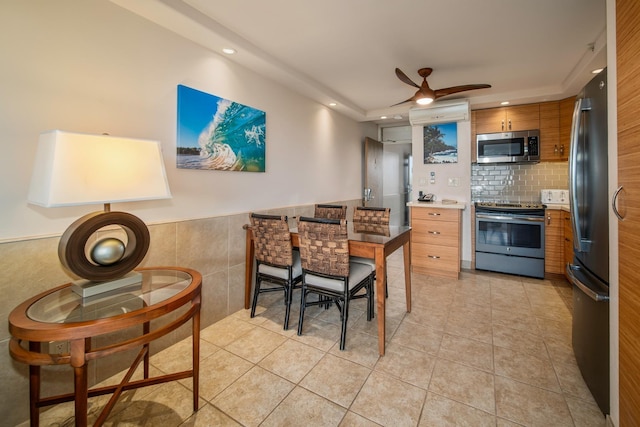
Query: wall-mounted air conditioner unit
point(440, 112)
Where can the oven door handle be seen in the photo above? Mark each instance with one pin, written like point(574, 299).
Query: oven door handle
point(510, 218)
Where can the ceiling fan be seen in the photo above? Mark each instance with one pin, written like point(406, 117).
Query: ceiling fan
point(425, 95)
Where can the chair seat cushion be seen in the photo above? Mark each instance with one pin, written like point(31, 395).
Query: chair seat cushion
point(281, 272)
point(361, 260)
point(357, 273)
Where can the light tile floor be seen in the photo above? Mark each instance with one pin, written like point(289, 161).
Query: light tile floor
point(486, 350)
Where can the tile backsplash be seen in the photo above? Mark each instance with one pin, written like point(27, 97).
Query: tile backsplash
point(517, 182)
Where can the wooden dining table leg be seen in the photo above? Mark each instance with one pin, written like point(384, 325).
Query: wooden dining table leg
point(406, 249)
point(248, 275)
point(381, 274)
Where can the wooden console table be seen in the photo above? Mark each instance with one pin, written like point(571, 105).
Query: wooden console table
point(59, 315)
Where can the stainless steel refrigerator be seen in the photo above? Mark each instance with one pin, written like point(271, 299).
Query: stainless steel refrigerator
point(589, 272)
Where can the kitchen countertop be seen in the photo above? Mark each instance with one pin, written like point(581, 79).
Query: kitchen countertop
point(553, 206)
point(437, 204)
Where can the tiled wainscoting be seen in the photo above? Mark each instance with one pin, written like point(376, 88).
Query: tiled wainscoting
point(515, 183)
point(213, 246)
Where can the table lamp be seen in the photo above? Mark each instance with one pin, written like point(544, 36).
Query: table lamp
point(78, 169)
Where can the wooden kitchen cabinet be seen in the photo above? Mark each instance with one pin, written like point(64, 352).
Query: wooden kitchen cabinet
point(550, 147)
point(566, 117)
point(506, 119)
point(553, 242)
point(435, 241)
point(567, 235)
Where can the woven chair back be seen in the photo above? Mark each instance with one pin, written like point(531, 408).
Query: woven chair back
point(369, 228)
point(371, 215)
point(272, 239)
point(324, 246)
point(330, 211)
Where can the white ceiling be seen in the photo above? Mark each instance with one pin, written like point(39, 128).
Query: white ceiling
point(346, 51)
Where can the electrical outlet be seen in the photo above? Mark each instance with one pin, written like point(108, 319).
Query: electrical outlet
point(454, 182)
point(58, 347)
point(433, 178)
point(423, 180)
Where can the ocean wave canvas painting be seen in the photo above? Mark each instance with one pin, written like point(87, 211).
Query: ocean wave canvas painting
point(441, 143)
point(218, 134)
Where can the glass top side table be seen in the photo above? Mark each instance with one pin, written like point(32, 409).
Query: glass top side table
point(61, 315)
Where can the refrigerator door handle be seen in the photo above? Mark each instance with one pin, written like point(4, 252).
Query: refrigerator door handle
point(580, 244)
point(594, 295)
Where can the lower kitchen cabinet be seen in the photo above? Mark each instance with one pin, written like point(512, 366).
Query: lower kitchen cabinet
point(553, 242)
point(435, 240)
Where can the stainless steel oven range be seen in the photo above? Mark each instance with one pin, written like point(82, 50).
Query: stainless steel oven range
point(510, 238)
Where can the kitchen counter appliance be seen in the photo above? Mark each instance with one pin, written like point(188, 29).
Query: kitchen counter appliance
point(509, 147)
point(510, 238)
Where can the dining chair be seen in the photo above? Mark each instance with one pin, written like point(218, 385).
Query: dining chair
point(375, 219)
point(328, 272)
point(371, 215)
point(330, 211)
point(276, 261)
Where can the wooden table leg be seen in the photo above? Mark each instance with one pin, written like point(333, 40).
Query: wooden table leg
point(406, 249)
point(80, 380)
point(195, 334)
point(34, 388)
point(81, 390)
point(248, 279)
point(381, 274)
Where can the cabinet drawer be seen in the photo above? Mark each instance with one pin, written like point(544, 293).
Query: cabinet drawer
point(435, 214)
point(434, 256)
point(435, 232)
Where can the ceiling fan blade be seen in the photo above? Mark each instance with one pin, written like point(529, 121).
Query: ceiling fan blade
point(406, 100)
point(403, 77)
point(455, 89)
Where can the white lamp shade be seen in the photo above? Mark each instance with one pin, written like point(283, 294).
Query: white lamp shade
point(79, 169)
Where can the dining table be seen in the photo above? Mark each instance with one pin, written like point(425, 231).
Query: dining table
point(368, 242)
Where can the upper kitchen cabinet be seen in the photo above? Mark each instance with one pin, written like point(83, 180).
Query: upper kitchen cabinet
point(555, 129)
point(506, 119)
point(566, 117)
point(550, 146)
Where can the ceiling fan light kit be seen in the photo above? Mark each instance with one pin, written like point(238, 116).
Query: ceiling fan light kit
point(425, 95)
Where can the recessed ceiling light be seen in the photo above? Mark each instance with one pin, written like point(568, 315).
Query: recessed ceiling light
point(597, 70)
point(383, 117)
point(332, 104)
point(229, 51)
point(504, 103)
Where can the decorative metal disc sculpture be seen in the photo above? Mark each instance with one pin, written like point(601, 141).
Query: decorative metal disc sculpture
point(105, 262)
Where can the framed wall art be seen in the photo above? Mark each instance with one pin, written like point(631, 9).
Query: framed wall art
point(441, 143)
point(218, 134)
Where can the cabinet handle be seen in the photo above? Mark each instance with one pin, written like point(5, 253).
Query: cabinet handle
point(433, 232)
point(433, 256)
point(562, 149)
point(434, 214)
point(555, 149)
point(548, 219)
point(509, 124)
point(503, 125)
point(614, 203)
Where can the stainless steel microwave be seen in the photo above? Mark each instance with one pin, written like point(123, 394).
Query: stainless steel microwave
point(509, 147)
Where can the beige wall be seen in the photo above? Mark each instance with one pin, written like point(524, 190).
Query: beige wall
point(92, 66)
